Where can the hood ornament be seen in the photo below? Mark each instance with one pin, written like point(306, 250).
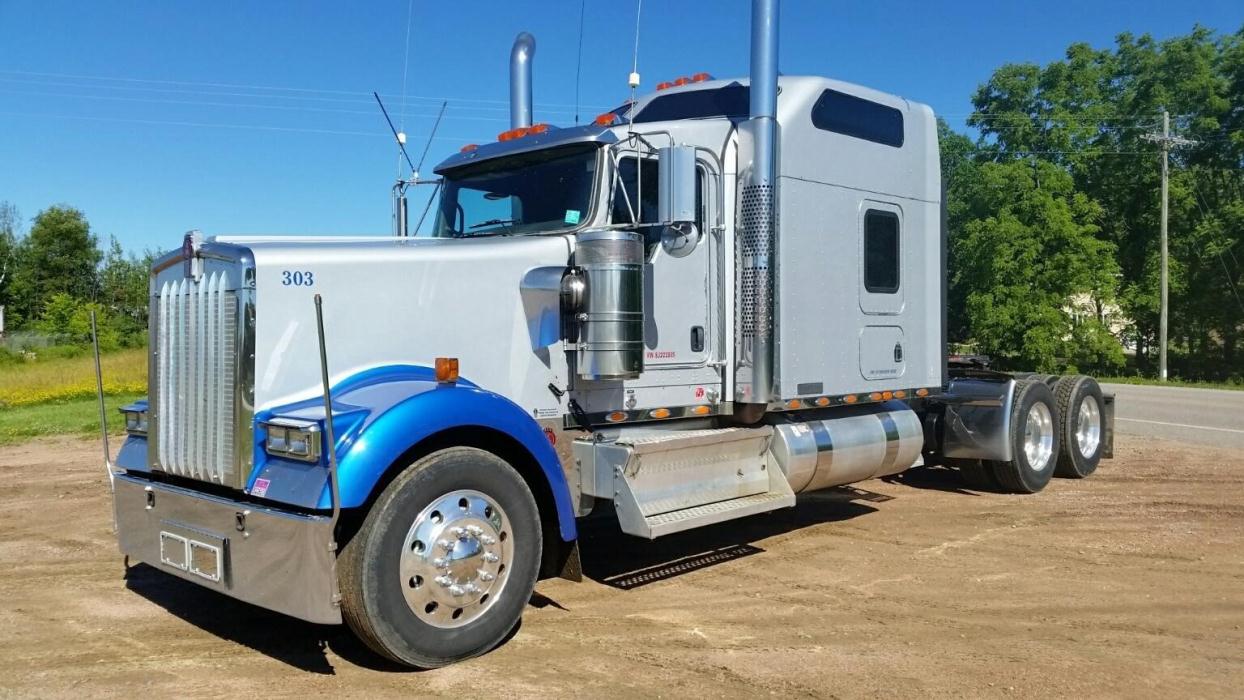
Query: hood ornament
point(191, 263)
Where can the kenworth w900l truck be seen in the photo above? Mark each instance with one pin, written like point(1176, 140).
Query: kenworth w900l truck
point(716, 297)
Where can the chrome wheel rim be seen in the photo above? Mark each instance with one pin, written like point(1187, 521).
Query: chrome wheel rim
point(1088, 427)
point(1039, 436)
point(456, 559)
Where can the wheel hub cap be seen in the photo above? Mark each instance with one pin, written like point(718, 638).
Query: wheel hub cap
point(1039, 436)
point(455, 559)
point(1088, 427)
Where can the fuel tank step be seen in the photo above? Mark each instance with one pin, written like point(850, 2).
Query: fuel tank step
point(663, 482)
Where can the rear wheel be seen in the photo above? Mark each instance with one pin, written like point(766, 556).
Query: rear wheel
point(445, 561)
point(1035, 439)
point(1080, 406)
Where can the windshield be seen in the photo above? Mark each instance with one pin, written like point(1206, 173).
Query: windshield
point(525, 193)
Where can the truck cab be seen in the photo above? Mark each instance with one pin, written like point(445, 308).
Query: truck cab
point(706, 301)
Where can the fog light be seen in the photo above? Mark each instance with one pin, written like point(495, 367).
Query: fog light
point(293, 439)
point(135, 418)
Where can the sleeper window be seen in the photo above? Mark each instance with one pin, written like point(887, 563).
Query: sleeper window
point(881, 252)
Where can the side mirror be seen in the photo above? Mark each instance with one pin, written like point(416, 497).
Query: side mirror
point(676, 180)
point(676, 206)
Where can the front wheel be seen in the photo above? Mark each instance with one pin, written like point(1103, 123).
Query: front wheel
point(445, 561)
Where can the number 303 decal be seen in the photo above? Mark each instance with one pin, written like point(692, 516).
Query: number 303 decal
point(297, 278)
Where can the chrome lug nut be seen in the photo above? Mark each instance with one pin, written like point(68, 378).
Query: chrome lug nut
point(444, 581)
point(488, 539)
point(491, 558)
point(486, 576)
point(457, 591)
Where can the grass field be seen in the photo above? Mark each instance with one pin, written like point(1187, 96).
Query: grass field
point(69, 379)
point(1150, 381)
point(74, 417)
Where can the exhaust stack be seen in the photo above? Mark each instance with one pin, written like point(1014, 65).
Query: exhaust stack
point(521, 54)
point(755, 371)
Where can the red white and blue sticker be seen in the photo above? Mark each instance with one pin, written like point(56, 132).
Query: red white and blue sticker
point(261, 487)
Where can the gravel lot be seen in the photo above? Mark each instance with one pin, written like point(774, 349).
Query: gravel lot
point(1128, 584)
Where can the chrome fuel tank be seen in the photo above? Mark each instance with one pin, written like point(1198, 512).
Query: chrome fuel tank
point(831, 452)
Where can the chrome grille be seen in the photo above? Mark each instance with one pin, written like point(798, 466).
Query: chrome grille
point(195, 372)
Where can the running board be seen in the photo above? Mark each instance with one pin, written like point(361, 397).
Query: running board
point(662, 482)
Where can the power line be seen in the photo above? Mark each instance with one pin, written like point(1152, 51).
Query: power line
point(365, 95)
point(217, 125)
point(151, 100)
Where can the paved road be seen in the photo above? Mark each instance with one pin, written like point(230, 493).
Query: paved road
point(1204, 416)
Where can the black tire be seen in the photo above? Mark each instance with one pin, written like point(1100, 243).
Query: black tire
point(975, 473)
point(1071, 393)
point(1047, 379)
point(373, 600)
point(1019, 475)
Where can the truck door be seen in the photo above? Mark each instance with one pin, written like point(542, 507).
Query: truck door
point(881, 291)
point(679, 328)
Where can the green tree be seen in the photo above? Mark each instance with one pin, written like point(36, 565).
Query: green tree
point(68, 320)
point(124, 291)
point(1027, 247)
point(1088, 114)
point(10, 235)
point(59, 256)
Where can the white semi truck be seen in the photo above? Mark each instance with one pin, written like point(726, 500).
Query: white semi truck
point(707, 301)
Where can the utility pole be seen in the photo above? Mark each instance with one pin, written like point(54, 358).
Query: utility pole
point(1167, 142)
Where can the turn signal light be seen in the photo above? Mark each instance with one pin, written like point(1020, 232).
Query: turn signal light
point(447, 370)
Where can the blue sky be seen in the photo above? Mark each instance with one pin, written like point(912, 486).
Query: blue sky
point(255, 117)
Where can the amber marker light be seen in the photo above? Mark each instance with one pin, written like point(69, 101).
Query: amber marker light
point(701, 77)
point(922, 392)
point(606, 119)
point(701, 410)
point(447, 370)
point(900, 394)
point(616, 417)
point(875, 396)
point(823, 401)
point(850, 398)
point(887, 395)
point(468, 148)
point(659, 413)
point(794, 403)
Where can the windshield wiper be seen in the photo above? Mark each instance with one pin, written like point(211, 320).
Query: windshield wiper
point(492, 222)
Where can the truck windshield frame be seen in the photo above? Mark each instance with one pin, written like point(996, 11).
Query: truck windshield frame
point(550, 190)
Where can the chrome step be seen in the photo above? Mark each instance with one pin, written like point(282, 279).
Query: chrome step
point(664, 481)
point(699, 516)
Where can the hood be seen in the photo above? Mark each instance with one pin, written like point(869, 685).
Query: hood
point(404, 301)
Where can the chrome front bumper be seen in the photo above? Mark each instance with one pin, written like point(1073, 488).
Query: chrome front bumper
point(274, 559)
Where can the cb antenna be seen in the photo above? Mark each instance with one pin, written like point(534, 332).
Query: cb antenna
point(399, 187)
point(397, 136)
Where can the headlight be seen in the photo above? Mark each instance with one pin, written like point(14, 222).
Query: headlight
point(293, 438)
point(135, 418)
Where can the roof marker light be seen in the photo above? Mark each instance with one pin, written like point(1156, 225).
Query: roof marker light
point(665, 85)
point(468, 148)
point(701, 77)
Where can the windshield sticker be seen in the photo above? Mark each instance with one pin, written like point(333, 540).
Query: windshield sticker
point(572, 216)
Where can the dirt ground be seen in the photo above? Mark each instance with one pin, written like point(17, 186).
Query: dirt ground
point(1128, 584)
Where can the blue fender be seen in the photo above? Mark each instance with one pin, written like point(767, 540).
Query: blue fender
point(380, 414)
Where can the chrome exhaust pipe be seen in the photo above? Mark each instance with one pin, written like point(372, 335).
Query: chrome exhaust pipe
point(755, 370)
point(521, 55)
